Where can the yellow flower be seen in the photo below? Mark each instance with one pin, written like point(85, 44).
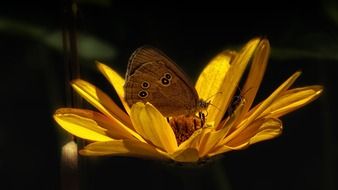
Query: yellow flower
point(142, 131)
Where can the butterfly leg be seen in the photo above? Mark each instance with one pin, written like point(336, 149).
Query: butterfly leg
point(201, 116)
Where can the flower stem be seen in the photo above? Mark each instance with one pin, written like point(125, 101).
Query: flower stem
point(69, 174)
point(209, 176)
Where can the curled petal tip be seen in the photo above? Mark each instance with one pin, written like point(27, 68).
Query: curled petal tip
point(298, 73)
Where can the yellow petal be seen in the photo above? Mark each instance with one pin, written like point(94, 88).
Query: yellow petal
point(100, 100)
point(93, 120)
point(223, 149)
point(267, 102)
point(116, 80)
point(191, 142)
point(212, 76)
point(80, 126)
point(220, 150)
point(255, 112)
point(231, 80)
point(255, 76)
point(208, 138)
point(123, 148)
point(214, 137)
point(292, 100)
point(103, 103)
point(152, 126)
point(186, 155)
point(260, 130)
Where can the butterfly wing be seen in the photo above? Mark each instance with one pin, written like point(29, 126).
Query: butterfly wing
point(152, 77)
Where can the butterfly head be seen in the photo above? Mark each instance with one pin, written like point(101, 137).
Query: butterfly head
point(202, 104)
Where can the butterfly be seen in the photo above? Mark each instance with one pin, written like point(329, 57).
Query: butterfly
point(153, 77)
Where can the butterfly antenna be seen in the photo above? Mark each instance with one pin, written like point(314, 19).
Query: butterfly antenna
point(215, 106)
point(213, 95)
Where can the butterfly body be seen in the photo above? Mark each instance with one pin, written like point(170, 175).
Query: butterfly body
point(153, 77)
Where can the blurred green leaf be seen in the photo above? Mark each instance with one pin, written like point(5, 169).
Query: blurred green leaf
point(331, 9)
point(89, 47)
point(103, 3)
point(20, 28)
point(311, 45)
point(291, 53)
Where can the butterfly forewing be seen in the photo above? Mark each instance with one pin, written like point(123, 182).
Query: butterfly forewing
point(153, 77)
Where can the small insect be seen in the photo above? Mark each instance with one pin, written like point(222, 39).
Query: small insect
point(236, 101)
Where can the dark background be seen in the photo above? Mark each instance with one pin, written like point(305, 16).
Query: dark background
point(303, 37)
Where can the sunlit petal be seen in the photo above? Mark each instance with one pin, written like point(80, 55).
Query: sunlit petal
point(252, 115)
point(81, 124)
point(186, 155)
point(268, 131)
point(255, 76)
point(214, 137)
point(103, 103)
point(116, 81)
point(212, 76)
point(292, 100)
point(231, 80)
point(260, 130)
point(100, 100)
point(267, 102)
point(200, 142)
point(223, 149)
point(123, 148)
point(210, 137)
point(152, 126)
point(92, 119)
point(257, 110)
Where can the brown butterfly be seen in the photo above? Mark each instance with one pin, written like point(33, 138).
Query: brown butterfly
point(153, 77)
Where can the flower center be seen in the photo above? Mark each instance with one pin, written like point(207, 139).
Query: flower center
point(184, 126)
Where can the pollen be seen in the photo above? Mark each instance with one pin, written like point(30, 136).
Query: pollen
point(184, 126)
